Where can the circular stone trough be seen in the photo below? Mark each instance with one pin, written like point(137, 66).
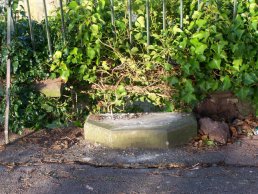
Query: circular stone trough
point(141, 130)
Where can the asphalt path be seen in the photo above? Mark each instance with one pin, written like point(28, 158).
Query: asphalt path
point(81, 179)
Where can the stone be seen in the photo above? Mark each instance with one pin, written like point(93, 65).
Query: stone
point(145, 130)
point(216, 131)
point(224, 106)
point(50, 87)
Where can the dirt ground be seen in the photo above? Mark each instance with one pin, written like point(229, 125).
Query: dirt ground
point(60, 161)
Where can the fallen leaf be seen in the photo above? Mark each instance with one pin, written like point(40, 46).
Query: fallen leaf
point(2, 147)
point(233, 131)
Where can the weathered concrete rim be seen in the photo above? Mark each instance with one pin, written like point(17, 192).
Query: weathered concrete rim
point(139, 125)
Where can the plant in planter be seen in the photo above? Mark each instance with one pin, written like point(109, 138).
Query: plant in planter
point(100, 57)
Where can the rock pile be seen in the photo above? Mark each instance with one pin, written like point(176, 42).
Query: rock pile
point(222, 118)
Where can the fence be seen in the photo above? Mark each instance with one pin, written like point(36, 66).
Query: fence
point(46, 3)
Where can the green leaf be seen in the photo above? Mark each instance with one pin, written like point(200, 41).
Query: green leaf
point(249, 79)
point(121, 90)
point(57, 55)
point(201, 22)
point(218, 47)
point(187, 93)
point(15, 66)
point(209, 142)
point(65, 75)
point(189, 98)
point(73, 5)
point(186, 68)
point(167, 66)
point(91, 53)
point(52, 67)
point(237, 63)
point(243, 92)
point(215, 63)
point(226, 82)
point(140, 22)
point(47, 108)
point(82, 69)
point(200, 49)
point(152, 96)
point(134, 50)
point(195, 66)
point(170, 107)
point(173, 81)
point(105, 66)
point(138, 36)
point(101, 4)
point(239, 33)
point(94, 29)
point(183, 43)
point(208, 85)
point(197, 15)
point(74, 51)
point(254, 25)
point(201, 35)
point(176, 29)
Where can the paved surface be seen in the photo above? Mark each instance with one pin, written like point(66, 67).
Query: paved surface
point(85, 179)
point(38, 164)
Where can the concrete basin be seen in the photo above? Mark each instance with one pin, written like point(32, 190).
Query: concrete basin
point(140, 130)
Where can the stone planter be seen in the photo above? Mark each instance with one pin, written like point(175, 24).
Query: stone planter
point(145, 130)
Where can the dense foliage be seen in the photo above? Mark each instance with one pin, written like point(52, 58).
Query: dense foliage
point(214, 52)
point(29, 108)
point(106, 73)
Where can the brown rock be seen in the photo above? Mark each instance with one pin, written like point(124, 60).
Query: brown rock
point(217, 131)
point(224, 106)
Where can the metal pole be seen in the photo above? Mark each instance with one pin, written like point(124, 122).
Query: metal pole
point(62, 19)
point(95, 3)
point(181, 14)
point(30, 24)
point(199, 4)
point(235, 9)
point(47, 30)
point(8, 73)
point(164, 15)
point(130, 20)
point(148, 21)
point(112, 15)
